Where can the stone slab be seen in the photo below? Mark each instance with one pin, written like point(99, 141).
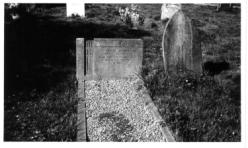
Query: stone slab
point(116, 58)
point(106, 58)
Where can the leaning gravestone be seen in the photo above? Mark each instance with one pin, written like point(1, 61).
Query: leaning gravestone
point(113, 103)
point(181, 45)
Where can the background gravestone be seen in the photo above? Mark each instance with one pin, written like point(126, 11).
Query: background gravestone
point(181, 43)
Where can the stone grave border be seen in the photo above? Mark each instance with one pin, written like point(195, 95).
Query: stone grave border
point(81, 111)
point(150, 106)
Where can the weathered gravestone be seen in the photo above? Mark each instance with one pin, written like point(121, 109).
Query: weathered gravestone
point(109, 58)
point(181, 45)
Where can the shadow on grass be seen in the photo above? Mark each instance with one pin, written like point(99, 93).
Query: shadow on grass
point(39, 74)
point(35, 45)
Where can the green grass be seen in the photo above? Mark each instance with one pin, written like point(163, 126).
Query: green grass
point(40, 101)
point(37, 116)
point(196, 108)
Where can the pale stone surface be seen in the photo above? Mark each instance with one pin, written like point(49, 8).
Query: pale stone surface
point(117, 58)
point(81, 119)
point(181, 47)
point(80, 58)
point(109, 58)
point(89, 58)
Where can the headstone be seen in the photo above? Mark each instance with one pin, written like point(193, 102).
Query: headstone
point(110, 58)
point(181, 45)
point(75, 9)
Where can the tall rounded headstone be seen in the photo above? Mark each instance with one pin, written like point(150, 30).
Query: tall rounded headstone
point(181, 45)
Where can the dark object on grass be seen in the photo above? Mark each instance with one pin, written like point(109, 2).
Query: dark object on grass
point(154, 25)
point(157, 17)
point(227, 7)
point(213, 68)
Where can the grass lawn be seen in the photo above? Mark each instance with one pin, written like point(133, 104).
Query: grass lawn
point(40, 88)
point(200, 107)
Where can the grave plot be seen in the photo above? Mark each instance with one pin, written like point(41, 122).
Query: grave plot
point(116, 111)
point(115, 105)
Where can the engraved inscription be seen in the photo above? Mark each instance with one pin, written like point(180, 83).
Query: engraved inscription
point(116, 56)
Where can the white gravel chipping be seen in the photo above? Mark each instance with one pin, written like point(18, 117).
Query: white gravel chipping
point(115, 111)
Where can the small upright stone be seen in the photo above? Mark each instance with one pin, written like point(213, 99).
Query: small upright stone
point(80, 58)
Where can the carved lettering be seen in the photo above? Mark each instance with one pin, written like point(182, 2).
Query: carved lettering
point(116, 58)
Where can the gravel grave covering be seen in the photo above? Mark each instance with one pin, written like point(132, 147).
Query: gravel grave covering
point(115, 111)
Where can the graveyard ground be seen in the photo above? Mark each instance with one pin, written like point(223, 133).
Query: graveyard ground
point(40, 101)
